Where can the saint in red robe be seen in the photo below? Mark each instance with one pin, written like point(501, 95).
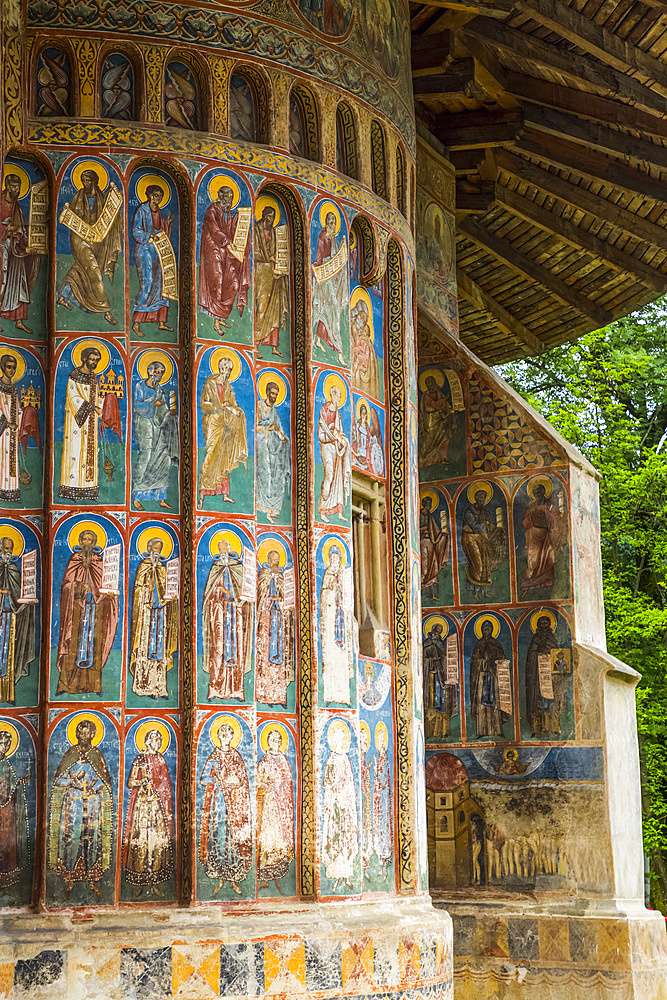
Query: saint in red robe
point(149, 827)
point(221, 276)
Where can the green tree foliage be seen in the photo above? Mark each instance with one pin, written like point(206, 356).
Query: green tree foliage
point(607, 394)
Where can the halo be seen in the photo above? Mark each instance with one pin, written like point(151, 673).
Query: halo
point(264, 380)
point(266, 201)
point(148, 357)
point(367, 669)
point(271, 545)
point(148, 180)
point(381, 731)
point(437, 374)
point(7, 727)
point(230, 721)
point(542, 613)
point(225, 534)
point(81, 717)
point(363, 728)
point(100, 170)
point(156, 532)
point(97, 529)
point(20, 361)
point(361, 295)
point(536, 480)
point(216, 357)
point(435, 499)
point(11, 168)
point(480, 486)
point(326, 548)
point(325, 208)
point(432, 620)
point(145, 728)
point(339, 725)
point(363, 402)
point(220, 181)
point(487, 618)
point(269, 728)
point(101, 347)
point(9, 531)
point(330, 381)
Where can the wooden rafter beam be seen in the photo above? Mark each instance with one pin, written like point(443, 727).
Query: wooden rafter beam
point(603, 109)
point(431, 52)
point(529, 268)
point(489, 8)
point(466, 161)
point(595, 136)
point(508, 323)
point(474, 199)
point(489, 73)
point(580, 198)
point(594, 39)
point(580, 238)
point(457, 79)
point(570, 64)
point(475, 129)
point(591, 164)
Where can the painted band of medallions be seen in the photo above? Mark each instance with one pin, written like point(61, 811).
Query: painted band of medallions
point(121, 138)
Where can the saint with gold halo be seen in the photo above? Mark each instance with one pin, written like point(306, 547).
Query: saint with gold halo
point(275, 809)
point(340, 836)
point(484, 686)
point(274, 668)
point(156, 431)
point(81, 808)
point(154, 627)
point(148, 839)
point(17, 618)
point(19, 265)
point(17, 424)
point(330, 290)
point(274, 459)
point(227, 623)
point(148, 225)
point(546, 534)
point(483, 542)
point(14, 831)
point(270, 284)
point(334, 450)
point(437, 422)
point(88, 617)
point(96, 241)
point(224, 427)
point(223, 278)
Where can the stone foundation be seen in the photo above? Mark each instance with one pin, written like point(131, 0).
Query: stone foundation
point(383, 948)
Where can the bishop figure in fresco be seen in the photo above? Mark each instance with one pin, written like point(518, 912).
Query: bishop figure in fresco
point(154, 625)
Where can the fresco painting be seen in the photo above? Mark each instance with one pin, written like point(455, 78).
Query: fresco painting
point(333, 420)
point(224, 256)
point(90, 424)
point(376, 772)
point(368, 449)
point(275, 837)
point(226, 816)
point(24, 236)
point(226, 416)
point(87, 610)
point(23, 403)
point(481, 517)
point(275, 667)
point(90, 268)
point(435, 549)
point(367, 348)
point(153, 631)
point(487, 651)
point(118, 93)
point(330, 292)
point(340, 809)
point(148, 852)
point(18, 807)
point(441, 655)
point(546, 662)
point(83, 764)
point(271, 280)
point(541, 535)
point(153, 224)
point(225, 615)
point(333, 571)
point(274, 449)
point(20, 619)
point(155, 432)
point(442, 451)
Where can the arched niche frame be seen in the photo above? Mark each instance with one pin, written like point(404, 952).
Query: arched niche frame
point(305, 104)
point(46, 93)
point(177, 91)
point(378, 159)
point(258, 93)
point(347, 144)
point(131, 53)
point(372, 240)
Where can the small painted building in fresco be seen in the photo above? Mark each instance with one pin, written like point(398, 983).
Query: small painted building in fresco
point(455, 825)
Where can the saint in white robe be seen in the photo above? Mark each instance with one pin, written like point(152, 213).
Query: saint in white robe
point(79, 471)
